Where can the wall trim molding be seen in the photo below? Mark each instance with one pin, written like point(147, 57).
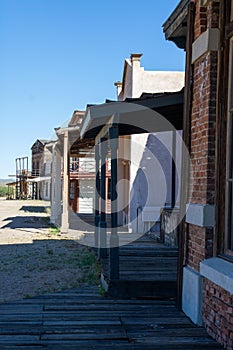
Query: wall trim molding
point(202, 215)
point(206, 42)
point(218, 271)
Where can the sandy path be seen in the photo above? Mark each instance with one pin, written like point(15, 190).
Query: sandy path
point(32, 259)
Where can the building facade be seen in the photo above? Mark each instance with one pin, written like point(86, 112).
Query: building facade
point(146, 154)
point(204, 28)
point(40, 178)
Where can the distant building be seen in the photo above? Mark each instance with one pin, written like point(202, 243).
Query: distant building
point(41, 170)
point(73, 173)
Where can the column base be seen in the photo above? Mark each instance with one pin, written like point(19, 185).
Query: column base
point(64, 223)
point(192, 295)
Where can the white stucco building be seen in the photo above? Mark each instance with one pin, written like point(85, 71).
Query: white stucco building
point(143, 173)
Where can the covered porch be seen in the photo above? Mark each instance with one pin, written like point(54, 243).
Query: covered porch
point(133, 264)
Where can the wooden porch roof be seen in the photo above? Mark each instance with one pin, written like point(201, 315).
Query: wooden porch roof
point(136, 115)
point(175, 27)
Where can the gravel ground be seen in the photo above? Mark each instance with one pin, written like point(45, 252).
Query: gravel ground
point(35, 259)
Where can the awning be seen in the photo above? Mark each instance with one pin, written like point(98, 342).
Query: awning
point(136, 115)
point(175, 27)
point(11, 184)
point(39, 179)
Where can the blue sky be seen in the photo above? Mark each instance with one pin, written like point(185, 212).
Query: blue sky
point(59, 55)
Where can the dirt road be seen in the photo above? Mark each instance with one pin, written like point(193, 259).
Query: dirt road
point(35, 259)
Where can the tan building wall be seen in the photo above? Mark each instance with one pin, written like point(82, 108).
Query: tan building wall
point(136, 80)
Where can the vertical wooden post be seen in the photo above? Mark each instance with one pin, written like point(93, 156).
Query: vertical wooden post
point(65, 192)
point(97, 190)
point(53, 181)
point(56, 187)
point(173, 182)
point(114, 239)
point(102, 224)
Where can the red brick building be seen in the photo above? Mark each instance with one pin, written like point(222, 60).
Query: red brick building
point(204, 29)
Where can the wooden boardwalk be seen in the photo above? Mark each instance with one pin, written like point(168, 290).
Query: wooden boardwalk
point(147, 269)
point(83, 319)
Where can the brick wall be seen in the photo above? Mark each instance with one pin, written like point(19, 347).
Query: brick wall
point(203, 129)
point(199, 246)
point(200, 242)
point(218, 314)
point(200, 20)
point(212, 14)
point(205, 17)
point(218, 310)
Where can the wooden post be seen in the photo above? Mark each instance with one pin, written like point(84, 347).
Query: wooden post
point(56, 187)
point(114, 239)
point(102, 240)
point(53, 182)
point(173, 182)
point(97, 191)
point(65, 192)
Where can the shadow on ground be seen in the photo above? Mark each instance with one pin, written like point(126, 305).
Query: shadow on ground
point(27, 222)
point(34, 209)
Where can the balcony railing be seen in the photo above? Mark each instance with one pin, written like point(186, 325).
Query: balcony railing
point(86, 166)
point(35, 172)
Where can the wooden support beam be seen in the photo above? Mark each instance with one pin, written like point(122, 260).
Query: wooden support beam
point(114, 239)
point(102, 240)
point(173, 182)
point(65, 192)
point(97, 191)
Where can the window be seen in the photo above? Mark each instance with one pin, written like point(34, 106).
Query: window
point(74, 164)
point(229, 162)
point(72, 190)
point(109, 189)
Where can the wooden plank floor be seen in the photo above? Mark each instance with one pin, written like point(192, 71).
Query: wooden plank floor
point(147, 269)
point(148, 261)
point(83, 319)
